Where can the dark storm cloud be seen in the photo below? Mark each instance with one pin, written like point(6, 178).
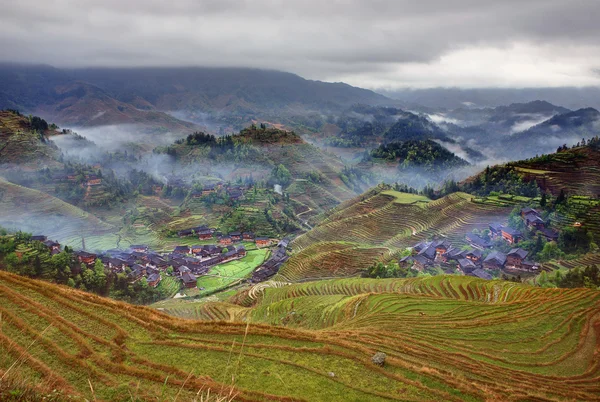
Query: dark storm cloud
point(374, 43)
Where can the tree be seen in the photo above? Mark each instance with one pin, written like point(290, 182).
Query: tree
point(544, 200)
point(561, 197)
point(99, 276)
point(281, 175)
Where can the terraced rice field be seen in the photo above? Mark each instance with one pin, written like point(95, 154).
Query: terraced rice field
point(33, 211)
point(581, 262)
point(384, 223)
point(224, 275)
point(576, 171)
point(446, 338)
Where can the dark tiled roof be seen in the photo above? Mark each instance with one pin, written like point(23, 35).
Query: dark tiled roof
point(518, 252)
point(496, 256)
point(480, 273)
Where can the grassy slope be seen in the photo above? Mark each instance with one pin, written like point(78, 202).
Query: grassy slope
point(33, 211)
point(378, 225)
point(446, 338)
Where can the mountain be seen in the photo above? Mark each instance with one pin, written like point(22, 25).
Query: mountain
point(453, 98)
point(313, 341)
point(229, 96)
point(567, 128)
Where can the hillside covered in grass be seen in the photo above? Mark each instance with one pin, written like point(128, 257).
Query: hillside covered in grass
point(445, 338)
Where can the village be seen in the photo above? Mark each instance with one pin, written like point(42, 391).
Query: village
point(480, 259)
point(184, 263)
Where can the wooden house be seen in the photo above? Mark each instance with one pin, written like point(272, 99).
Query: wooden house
point(205, 234)
point(441, 246)
point(139, 248)
point(466, 265)
point(225, 241)
point(474, 255)
point(236, 236)
point(241, 252)
point(52, 245)
point(534, 221)
point(41, 238)
point(85, 258)
point(153, 280)
point(549, 234)
point(189, 280)
point(511, 235)
point(248, 236)
point(480, 273)
point(262, 241)
point(477, 241)
point(515, 258)
point(495, 260)
point(181, 250)
point(495, 230)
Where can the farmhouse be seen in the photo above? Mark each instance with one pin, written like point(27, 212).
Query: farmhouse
point(495, 260)
point(183, 269)
point(474, 255)
point(153, 280)
point(480, 273)
point(453, 254)
point(429, 253)
point(466, 265)
point(236, 236)
point(139, 248)
point(511, 235)
point(181, 250)
point(495, 230)
point(263, 241)
point(441, 246)
point(205, 234)
point(225, 241)
point(248, 236)
point(549, 234)
point(421, 262)
point(137, 271)
point(417, 248)
point(477, 241)
point(189, 280)
point(92, 180)
point(515, 258)
point(533, 220)
point(52, 245)
point(84, 257)
point(41, 238)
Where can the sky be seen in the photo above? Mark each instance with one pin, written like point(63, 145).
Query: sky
point(379, 44)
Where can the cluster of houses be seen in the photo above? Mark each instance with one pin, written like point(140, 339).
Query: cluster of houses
point(234, 192)
point(472, 261)
point(272, 265)
point(225, 240)
point(90, 179)
point(188, 262)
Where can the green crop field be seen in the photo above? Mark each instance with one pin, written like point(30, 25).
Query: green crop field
point(446, 338)
point(224, 275)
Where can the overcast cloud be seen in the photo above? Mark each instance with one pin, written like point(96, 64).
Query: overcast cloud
point(369, 43)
